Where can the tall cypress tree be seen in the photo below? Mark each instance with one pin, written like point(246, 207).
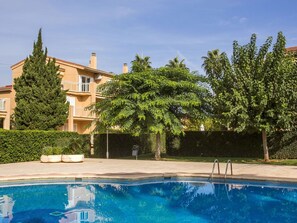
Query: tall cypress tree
point(40, 101)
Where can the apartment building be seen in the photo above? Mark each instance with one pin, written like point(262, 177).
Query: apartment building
point(5, 93)
point(80, 81)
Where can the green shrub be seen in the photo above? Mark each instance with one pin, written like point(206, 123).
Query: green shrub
point(77, 145)
point(27, 145)
point(49, 150)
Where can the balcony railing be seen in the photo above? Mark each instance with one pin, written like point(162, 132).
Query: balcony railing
point(81, 112)
point(74, 86)
point(2, 104)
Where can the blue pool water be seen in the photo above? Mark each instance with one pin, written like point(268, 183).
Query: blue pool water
point(156, 201)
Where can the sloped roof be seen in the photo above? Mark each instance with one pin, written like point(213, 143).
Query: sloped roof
point(292, 49)
point(6, 88)
point(79, 66)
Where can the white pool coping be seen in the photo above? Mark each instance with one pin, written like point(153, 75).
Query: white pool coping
point(141, 169)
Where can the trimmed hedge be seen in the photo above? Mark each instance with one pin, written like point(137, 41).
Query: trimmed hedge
point(215, 144)
point(282, 145)
point(26, 145)
point(119, 145)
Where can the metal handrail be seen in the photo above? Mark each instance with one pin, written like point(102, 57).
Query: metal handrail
point(231, 168)
point(213, 167)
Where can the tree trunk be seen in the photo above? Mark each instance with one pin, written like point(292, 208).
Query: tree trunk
point(265, 147)
point(158, 147)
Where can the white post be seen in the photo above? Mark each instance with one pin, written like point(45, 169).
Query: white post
point(107, 152)
point(202, 127)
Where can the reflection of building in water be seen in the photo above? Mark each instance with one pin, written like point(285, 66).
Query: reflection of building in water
point(80, 205)
point(203, 188)
point(6, 206)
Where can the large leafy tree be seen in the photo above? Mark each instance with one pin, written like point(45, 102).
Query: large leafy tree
point(176, 63)
point(153, 101)
point(40, 101)
point(140, 64)
point(256, 90)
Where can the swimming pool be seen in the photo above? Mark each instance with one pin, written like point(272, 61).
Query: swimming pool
point(158, 200)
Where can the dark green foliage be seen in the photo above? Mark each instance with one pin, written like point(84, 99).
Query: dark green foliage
point(148, 143)
point(154, 101)
point(52, 150)
point(216, 144)
point(40, 102)
point(27, 145)
point(256, 89)
point(77, 145)
point(120, 145)
point(140, 64)
point(176, 63)
point(284, 145)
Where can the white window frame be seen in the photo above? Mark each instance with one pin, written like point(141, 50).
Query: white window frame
point(84, 86)
point(71, 101)
point(2, 104)
point(75, 127)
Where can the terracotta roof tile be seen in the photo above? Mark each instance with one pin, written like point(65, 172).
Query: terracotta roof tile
point(292, 49)
point(74, 64)
point(6, 88)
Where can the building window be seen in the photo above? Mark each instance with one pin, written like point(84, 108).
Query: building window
point(2, 104)
point(84, 83)
point(84, 216)
point(75, 127)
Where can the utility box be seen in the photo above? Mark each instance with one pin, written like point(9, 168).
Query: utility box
point(135, 150)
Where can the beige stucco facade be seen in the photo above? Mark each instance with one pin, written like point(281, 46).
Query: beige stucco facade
point(80, 82)
point(5, 104)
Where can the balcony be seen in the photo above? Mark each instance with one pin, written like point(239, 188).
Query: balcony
point(81, 113)
point(76, 88)
point(99, 95)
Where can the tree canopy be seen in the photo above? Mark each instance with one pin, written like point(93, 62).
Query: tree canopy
point(176, 63)
point(153, 101)
point(40, 102)
point(256, 90)
point(140, 64)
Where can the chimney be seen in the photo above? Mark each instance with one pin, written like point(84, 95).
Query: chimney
point(93, 61)
point(125, 68)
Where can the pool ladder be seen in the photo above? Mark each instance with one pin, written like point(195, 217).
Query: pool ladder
point(216, 161)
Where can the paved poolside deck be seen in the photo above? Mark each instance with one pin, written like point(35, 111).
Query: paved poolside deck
point(116, 168)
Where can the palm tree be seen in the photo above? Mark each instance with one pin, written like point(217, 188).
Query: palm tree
point(213, 63)
point(175, 63)
point(140, 64)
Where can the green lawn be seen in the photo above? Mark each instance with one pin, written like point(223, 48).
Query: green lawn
point(292, 162)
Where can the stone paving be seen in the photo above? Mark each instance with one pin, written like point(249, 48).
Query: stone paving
point(116, 168)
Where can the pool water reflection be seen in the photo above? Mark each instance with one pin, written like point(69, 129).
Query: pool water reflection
point(148, 202)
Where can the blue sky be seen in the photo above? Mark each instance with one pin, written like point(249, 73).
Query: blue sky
point(118, 29)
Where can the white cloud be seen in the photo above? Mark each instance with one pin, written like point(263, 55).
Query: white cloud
point(242, 20)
